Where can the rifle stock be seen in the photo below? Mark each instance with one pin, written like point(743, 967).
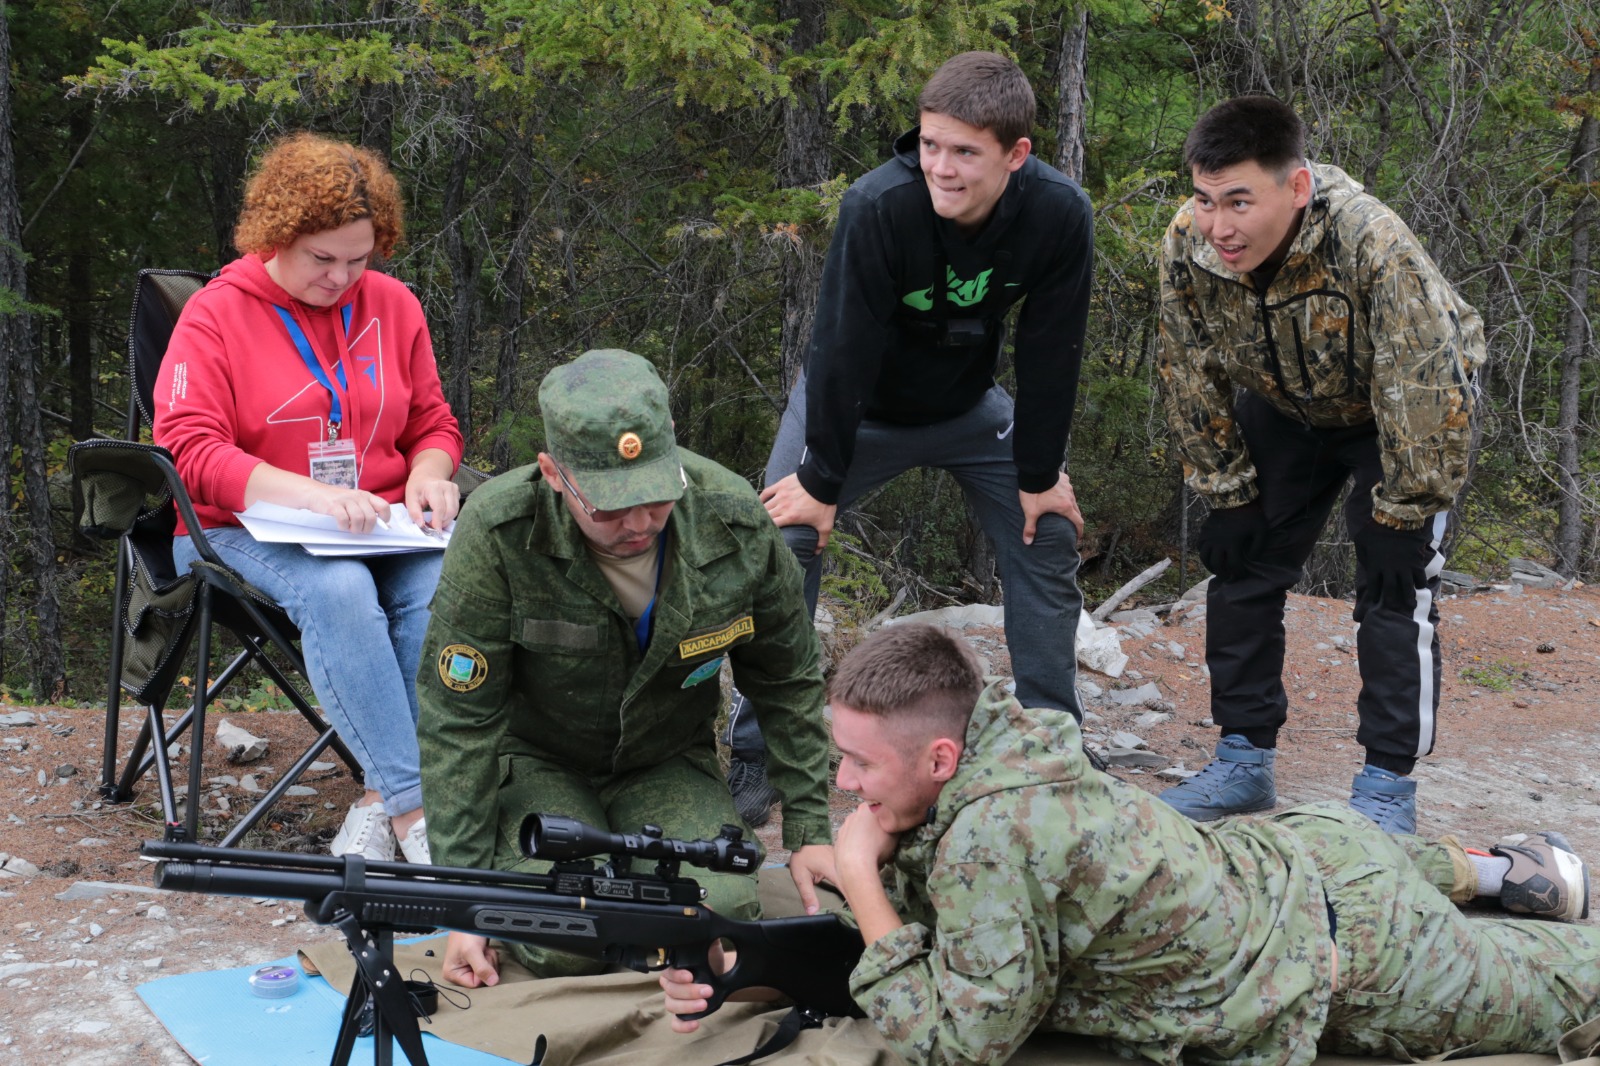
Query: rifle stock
point(646, 922)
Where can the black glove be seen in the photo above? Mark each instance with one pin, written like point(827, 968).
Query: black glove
point(1394, 562)
point(1231, 537)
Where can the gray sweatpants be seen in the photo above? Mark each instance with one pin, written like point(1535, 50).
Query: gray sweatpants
point(1040, 581)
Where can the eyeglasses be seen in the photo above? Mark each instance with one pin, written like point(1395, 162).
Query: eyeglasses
point(592, 513)
point(589, 512)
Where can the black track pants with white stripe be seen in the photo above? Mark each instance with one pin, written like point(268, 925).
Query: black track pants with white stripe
point(1300, 472)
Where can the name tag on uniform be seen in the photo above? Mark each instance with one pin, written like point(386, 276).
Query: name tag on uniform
point(569, 635)
point(717, 639)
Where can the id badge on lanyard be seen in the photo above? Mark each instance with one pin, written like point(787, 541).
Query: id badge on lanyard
point(333, 461)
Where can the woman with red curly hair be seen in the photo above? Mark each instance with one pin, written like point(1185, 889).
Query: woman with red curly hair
point(300, 377)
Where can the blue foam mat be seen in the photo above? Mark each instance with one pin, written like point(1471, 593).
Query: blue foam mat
point(219, 1021)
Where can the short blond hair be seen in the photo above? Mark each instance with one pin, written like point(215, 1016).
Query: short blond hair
point(308, 183)
point(921, 678)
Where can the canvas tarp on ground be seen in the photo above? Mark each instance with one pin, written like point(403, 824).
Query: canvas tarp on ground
point(620, 1018)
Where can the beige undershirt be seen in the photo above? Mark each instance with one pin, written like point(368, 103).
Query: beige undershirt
point(633, 580)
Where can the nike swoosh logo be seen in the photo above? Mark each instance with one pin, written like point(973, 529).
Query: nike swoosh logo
point(1004, 433)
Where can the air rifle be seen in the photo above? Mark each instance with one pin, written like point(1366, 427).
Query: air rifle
point(603, 911)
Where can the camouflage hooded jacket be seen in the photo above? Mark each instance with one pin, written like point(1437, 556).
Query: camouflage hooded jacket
point(1046, 895)
point(1357, 325)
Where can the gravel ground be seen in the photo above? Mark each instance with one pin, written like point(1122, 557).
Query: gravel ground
point(1516, 751)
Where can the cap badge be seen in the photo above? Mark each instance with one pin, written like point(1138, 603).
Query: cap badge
point(629, 445)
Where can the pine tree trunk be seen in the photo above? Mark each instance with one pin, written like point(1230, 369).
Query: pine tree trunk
point(19, 355)
point(1072, 92)
point(80, 297)
point(462, 253)
point(375, 101)
point(1569, 515)
point(514, 279)
point(47, 667)
point(14, 328)
point(80, 327)
point(806, 160)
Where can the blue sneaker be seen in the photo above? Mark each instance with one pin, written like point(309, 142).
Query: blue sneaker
point(1237, 781)
point(1387, 798)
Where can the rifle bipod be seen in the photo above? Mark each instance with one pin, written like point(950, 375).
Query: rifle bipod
point(380, 997)
point(378, 981)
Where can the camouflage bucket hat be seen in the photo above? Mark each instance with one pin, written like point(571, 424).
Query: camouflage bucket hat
point(606, 421)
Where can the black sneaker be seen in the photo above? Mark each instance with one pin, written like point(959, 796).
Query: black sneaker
point(753, 797)
point(1546, 879)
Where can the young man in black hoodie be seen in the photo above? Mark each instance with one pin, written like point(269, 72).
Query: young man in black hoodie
point(931, 251)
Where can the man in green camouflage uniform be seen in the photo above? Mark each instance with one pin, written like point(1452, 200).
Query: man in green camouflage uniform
point(1025, 891)
point(1352, 357)
point(571, 666)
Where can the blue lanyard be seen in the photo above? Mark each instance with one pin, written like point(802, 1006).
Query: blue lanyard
point(313, 364)
point(641, 628)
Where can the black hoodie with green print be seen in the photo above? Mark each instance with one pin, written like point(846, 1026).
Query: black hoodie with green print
point(883, 348)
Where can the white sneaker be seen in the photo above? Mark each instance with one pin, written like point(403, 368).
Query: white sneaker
point(366, 831)
point(1546, 879)
point(414, 845)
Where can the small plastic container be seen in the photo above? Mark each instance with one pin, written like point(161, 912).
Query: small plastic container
point(275, 982)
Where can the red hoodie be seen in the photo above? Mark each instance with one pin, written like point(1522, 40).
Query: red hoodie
point(233, 390)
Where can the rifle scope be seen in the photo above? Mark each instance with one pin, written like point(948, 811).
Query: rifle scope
point(550, 836)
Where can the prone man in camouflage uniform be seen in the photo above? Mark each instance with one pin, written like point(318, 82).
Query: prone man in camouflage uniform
point(571, 666)
point(1026, 891)
point(1352, 357)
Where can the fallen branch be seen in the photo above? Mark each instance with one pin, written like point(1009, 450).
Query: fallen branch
point(887, 613)
point(1102, 612)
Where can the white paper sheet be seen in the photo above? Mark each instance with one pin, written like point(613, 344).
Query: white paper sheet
point(320, 534)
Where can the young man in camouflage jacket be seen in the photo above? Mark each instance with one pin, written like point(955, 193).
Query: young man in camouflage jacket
point(1308, 339)
point(1023, 890)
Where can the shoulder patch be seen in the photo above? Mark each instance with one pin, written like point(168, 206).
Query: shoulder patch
point(462, 667)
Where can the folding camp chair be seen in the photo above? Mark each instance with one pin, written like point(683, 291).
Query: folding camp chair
point(131, 492)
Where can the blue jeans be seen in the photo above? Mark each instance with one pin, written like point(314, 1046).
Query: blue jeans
point(361, 624)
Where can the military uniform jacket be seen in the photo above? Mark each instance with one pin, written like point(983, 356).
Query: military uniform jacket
point(1357, 325)
point(530, 654)
point(1043, 894)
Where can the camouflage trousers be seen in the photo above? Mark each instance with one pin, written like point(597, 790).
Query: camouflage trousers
point(686, 796)
point(1418, 978)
